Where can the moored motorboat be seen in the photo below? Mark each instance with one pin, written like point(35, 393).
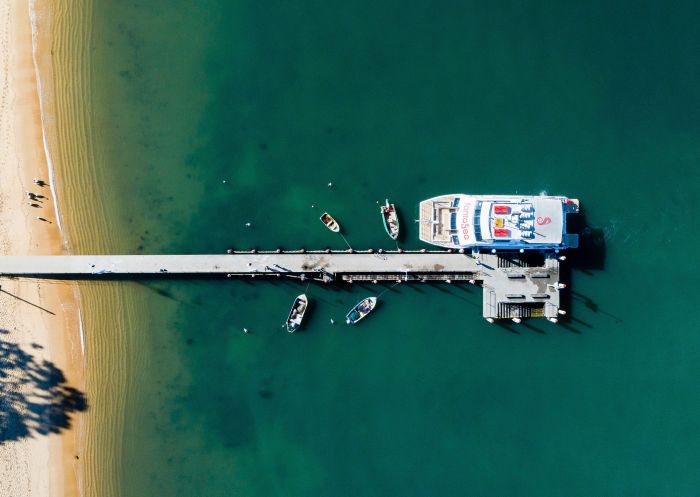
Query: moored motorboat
point(330, 223)
point(360, 310)
point(391, 219)
point(296, 314)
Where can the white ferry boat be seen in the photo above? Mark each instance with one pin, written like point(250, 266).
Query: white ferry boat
point(497, 221)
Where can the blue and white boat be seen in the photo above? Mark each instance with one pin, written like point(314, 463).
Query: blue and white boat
point(505, 222)
point(360, 310)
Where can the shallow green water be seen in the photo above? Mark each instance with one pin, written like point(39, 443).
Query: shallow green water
point(404, 101)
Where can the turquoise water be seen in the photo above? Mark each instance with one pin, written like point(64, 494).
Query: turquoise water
point(217, 113)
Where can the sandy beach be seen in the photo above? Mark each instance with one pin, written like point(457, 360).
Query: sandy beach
point(42, 357)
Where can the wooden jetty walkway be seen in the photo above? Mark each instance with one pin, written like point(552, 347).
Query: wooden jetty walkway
point(513, 288)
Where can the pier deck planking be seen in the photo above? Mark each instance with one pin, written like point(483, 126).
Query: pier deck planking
point(510, 290)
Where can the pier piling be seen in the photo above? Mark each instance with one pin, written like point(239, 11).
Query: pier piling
point(511, 288)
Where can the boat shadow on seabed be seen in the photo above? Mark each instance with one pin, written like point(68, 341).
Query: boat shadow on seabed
point(34, 396)
point(590, 254)
point(588, 258)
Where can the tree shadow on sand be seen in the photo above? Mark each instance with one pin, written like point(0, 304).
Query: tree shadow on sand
point(34, 396)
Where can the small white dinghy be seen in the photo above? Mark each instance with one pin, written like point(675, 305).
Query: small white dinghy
point(330, 223)
point(391, 219)
point(296, 314)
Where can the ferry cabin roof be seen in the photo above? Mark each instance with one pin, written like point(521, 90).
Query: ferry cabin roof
point(496, 221)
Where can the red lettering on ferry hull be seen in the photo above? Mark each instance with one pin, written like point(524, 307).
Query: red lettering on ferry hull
point(465, 222)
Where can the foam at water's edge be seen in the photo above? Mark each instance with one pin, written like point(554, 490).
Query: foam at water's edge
point(82, 332)
point(44, 96)
point(42, 112)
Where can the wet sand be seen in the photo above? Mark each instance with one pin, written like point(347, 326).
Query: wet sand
point(39, 319)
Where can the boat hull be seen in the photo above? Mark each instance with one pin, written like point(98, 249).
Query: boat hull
point(507, 222)
point(330, 223)
point(297, 313)
point(390, 219)
point(361, 310)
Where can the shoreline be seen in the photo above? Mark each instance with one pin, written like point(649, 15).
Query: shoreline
point(36, 33)
point(41, 317)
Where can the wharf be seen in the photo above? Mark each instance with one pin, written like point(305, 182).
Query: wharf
point(513, 286)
